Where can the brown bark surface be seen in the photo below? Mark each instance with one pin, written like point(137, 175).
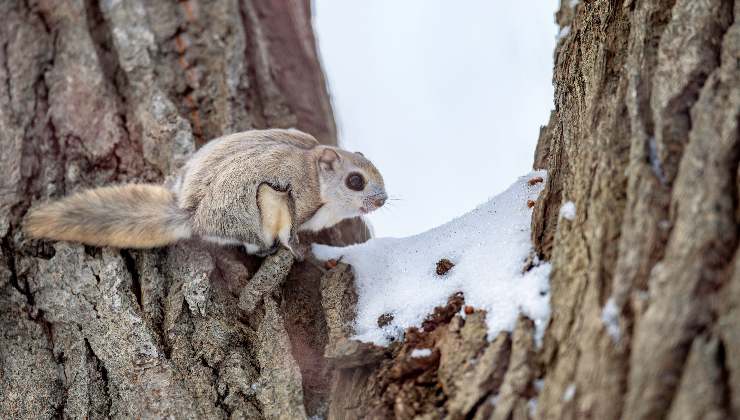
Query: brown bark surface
point(644, 139)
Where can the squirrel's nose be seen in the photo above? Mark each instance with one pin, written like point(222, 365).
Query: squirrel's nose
point(379, 201)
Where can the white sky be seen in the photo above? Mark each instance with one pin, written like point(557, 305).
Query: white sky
point(445, 97)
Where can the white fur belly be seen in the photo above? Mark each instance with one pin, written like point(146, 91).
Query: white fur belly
point(324, 217)
point(221, 241)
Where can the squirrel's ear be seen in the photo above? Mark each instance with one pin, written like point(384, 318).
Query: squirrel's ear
point(329, 159)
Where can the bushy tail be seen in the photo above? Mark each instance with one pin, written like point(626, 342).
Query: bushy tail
point(128, 216)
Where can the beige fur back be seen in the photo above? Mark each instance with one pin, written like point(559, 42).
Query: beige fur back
point(218, 186)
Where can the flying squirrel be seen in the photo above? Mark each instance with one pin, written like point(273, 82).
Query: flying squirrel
point(256, 188)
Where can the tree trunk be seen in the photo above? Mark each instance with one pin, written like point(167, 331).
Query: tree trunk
point(94, 93)
point(645, 141)
point(645, 284)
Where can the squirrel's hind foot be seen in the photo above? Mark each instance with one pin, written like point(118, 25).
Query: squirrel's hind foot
point(299, 251)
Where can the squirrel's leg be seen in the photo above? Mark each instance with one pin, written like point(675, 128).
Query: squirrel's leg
point(276, 218)
point(299, 250)
point(289, 239)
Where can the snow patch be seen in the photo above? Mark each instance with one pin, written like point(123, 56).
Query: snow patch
point(538, 385)
point(565, 31)
point(655, 162)
point(488, 246)
point(574, 3)
point(569, 393)
point(568, 210)
point(610, 318)
point(420, 353)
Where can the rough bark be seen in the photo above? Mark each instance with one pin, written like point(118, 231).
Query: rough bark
point(100, 92)
point(645, 140)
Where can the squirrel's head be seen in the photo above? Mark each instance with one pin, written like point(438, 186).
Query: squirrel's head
point(349, 181)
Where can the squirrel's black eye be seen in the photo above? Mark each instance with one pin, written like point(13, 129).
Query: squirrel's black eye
point(355, 182)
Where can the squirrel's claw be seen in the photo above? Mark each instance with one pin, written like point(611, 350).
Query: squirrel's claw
point(299, 251)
